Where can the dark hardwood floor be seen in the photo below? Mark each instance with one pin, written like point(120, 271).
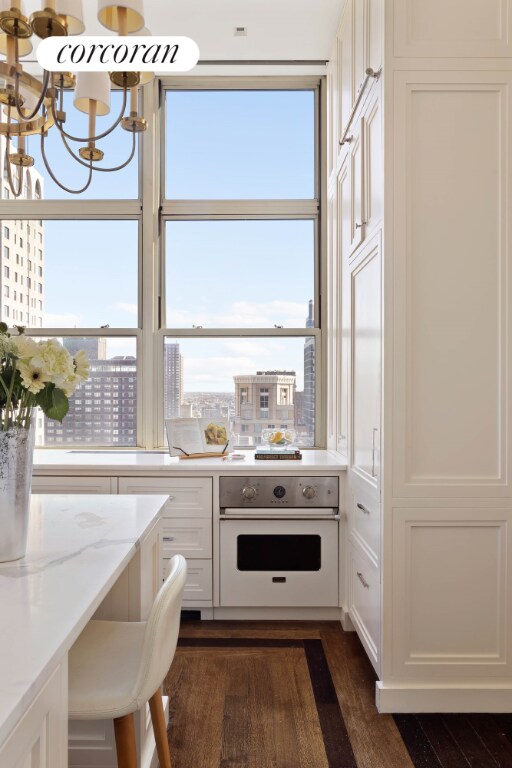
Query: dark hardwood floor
point(257, 695)
point(301, 695)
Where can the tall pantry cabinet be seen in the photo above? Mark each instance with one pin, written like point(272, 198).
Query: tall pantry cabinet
point(420, 270)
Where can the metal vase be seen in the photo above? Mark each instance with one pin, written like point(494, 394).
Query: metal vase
point(16, 459)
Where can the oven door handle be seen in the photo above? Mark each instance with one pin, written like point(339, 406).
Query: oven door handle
point(279, 514)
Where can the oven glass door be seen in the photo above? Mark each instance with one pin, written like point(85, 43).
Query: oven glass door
point(278, 563)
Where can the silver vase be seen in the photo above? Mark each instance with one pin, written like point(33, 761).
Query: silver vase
point(16, 459)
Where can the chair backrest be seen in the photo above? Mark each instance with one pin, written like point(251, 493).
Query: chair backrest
point(161, 635)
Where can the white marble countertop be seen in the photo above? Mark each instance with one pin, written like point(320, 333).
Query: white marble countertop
point(133, 462)
point(77, 548)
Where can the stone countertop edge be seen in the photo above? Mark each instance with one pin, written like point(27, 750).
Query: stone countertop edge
point(72, 461)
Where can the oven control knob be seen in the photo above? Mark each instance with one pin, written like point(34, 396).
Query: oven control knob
point(279, 492)
point(249, 492)
point(308, 492)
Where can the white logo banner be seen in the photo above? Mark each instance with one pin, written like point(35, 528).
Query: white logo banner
point(134, 53)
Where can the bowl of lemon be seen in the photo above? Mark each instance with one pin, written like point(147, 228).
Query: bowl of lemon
point(279, 438)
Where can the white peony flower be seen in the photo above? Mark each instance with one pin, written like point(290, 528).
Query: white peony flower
point(82, 367)
point(33, 376)
point(69, 386)
point(6, 346)
point(24, 346)
point(54, 360)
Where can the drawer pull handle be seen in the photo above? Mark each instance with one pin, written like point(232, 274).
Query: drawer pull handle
point(360, 224)
point(279, 579)
point(170, 498)
point(363, 580)
point(363, 508)
point(169, 538)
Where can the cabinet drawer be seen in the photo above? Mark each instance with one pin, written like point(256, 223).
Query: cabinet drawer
point(364, 602)
point(190, 537)
point(66, 484)
point(187, 497)
point(365, 520)
point(198, 585)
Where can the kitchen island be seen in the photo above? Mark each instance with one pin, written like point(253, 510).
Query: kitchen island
point(86, 556)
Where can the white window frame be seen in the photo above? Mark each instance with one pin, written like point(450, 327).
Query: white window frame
point(151, 212)
point(211, 210)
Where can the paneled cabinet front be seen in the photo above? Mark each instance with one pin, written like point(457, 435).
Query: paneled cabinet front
point(186, 529)
point(366, 364)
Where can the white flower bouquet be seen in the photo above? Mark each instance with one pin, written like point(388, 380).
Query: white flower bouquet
point(36, 373)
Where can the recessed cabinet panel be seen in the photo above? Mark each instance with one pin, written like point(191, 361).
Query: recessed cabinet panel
point(364, 591)
point(364, 511)
point(198, 586)
point(450, 592)
point(366, 363)
point(451, 382)
point(375, 33)
point(343, 291)
point(188, 497)
point(66, 484)
point(345, 76)
point(373, 163)
point(188, 537)
point(457, 28)
point(357, 222)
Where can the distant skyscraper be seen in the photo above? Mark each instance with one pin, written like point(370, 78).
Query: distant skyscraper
point(308, 400)
point(21, 254)
point(173, 381)
point(261, 401)
point(104, 409)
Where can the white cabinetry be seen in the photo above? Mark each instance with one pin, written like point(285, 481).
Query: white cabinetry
point(39, 740)
point(424, 385)
point(186, 529)
point(366, 363)
point(68, 484)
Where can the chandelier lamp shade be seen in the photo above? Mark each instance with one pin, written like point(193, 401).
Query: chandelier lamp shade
point(33, 106)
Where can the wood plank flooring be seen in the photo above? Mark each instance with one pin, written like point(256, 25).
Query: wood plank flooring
point(301, 695)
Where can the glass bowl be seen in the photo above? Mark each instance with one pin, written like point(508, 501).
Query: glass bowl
point(279, 437)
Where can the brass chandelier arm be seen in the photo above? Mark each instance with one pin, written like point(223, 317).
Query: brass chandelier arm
point(63, 133)
point(97, 168)
point(15, 192)
point(55, 179)
point(44, 87)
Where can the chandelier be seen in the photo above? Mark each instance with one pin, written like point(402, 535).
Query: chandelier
point(32, 106)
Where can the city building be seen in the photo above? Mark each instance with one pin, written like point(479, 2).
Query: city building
point(21, 255)
point(263, 400)
point(173, 381)
point(308, 400)
point(104, 409)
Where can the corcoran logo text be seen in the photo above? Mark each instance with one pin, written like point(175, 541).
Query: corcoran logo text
point(118, 54)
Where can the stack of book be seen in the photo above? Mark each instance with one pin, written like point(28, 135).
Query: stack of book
point(285, 452)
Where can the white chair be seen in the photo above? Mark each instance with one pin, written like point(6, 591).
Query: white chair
point(115, 667)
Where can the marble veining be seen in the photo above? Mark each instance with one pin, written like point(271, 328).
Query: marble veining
point(74, 555)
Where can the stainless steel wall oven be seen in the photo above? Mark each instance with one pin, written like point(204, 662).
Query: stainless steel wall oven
point(279, 541)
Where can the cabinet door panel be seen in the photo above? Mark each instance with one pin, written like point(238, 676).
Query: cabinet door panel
point(364, 591)
point(373, 163)
point(366, 363)
point(66, 484)
point(345, 78)
point(188, 497)
point(190, 538)
point(358, 223)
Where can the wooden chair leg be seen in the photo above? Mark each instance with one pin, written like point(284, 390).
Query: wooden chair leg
point(126, 745)
point(158, 719)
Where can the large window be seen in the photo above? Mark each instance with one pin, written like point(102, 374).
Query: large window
point(210, 307)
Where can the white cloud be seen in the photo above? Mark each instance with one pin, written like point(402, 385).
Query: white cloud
point(131, 309)
point(54, 320)
point(243, 314)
